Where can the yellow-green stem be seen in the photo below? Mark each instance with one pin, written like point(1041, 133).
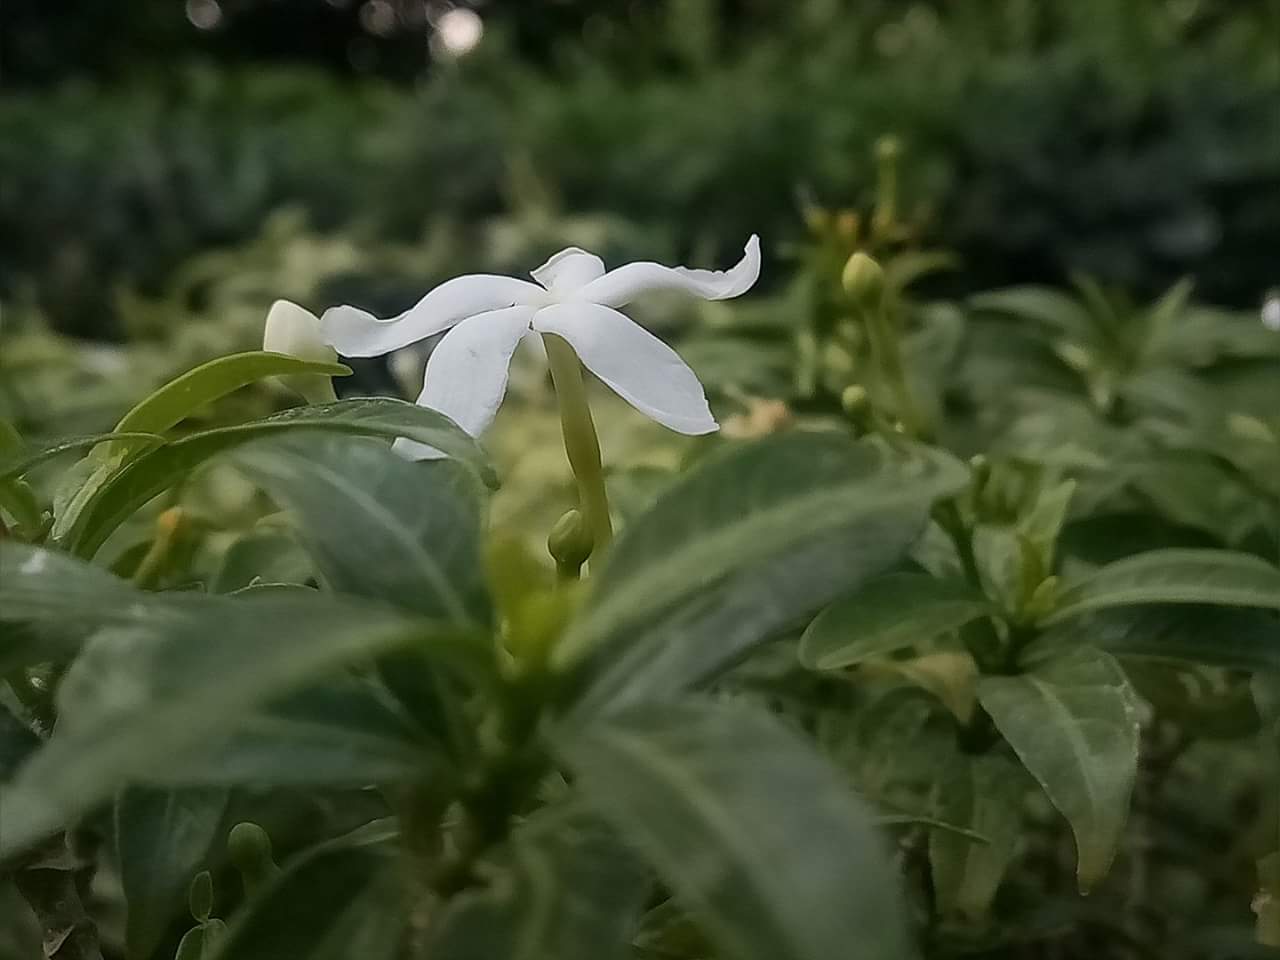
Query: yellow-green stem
point(580, 440)
point(887, 358)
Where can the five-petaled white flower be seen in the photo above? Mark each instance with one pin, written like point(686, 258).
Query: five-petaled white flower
point(574, 298)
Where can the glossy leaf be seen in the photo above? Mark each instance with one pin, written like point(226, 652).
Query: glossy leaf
point(378, 526)
point(163, 839)
point(342, 900)
point(886, 614)
point(118, 497)
point(1174, 576)
point(741, 548)
point(1072, 719)
point(755, 834)
point(137, 700)
point(565, 888)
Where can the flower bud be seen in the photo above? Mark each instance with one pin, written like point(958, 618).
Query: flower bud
point(570, 542)
point(863, 279)
point(200, 896)
point(888, 149)
point(250, 851)
point(296, 332)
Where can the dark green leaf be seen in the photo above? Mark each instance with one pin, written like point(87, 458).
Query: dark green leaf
point(1174, 576)
point(886, 614)
point(52, 601)
point(137, 700)
point(564, 889)
point(984, 794)
point(345, 732)
point(340, 901)
point(1072, 719)
point(750, 543)
point(19, 930)
point(163, 838)
point(17, 742)
point(758, 836)
point(1231, 637)
point(116, 498)
point(377, 525)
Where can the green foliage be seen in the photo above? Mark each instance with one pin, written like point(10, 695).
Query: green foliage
point(992, 584)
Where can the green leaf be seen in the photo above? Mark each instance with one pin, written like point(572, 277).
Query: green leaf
point(985, 794)
point(17, 742)
point(1050, 308)
point(184, 395)
point(750, 543)
point(1072, 719)
point(377, 525)
point(137, 700)
point(262, 556)
point(1230, 637)
point(565, 889)
point(886, 614)
point(342, 900)
point(756, 835)
point(1173, 576)
point(345, 732)
point(21, 503)
point(163, 838)
point(169, 406)
point(20, 934)
point(51, 602)
point(117, 498)
point(17, 466)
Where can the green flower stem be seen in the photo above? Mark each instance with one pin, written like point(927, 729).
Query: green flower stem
point(580, 440)
point(887, 357)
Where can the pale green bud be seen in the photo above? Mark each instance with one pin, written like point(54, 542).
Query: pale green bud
point(863, 279)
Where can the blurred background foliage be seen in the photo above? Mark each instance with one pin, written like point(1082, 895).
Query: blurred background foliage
point(1137, 142)
point(168, 169)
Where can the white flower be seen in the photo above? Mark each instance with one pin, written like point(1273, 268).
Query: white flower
point(1271, 312)
point(574, 298)
point(293, 330)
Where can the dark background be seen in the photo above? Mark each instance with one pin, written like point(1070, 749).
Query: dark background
point(1136, 141)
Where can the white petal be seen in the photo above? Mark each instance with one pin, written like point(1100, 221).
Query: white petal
point(467, 372)
point(294, 330)
point(569, 269)
point(1271, 313)
point(639, 367)
point(621, 286)
point(357, 333)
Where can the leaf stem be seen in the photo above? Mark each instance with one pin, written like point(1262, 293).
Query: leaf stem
point(580, 440)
